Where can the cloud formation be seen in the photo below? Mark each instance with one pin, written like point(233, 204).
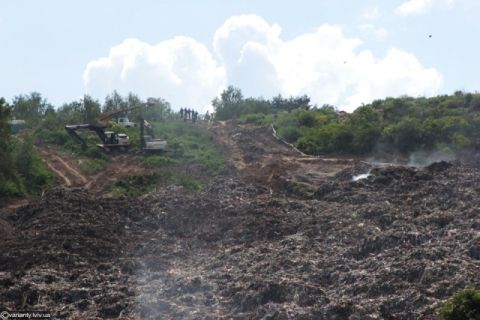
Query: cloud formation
point(378, 33)
point(411, 7)
point(181, 70)
point(251, 54)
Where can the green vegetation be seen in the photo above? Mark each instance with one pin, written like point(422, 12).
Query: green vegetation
point(405, 125)
point(450, 123)
point(50, 127)
point(191, 160)
point(464, 305)
point(21, 169)
point(190, 145)
point(192, 157)
point(92, 166)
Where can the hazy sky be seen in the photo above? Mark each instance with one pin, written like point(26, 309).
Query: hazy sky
point(338, 52)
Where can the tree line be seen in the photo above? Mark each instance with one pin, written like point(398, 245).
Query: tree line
point(449, 123)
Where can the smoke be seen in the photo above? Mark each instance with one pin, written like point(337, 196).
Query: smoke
point(425, 158)
point(362, 176)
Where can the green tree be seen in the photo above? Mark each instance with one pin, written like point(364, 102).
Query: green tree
point(5, 159)
point(91, 109)
point(71, 113)
point(30, 108)
point(464, 305)
point(281, 104)
point(114, 101)
point(229, 105)
point(157, 109)
point(406, 135)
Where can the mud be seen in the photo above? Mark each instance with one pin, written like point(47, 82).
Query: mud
point(391, 246)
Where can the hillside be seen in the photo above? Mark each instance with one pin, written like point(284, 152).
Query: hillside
point(278, 235)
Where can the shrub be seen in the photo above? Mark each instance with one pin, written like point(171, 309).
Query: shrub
point(92, 166)
point(306, 119)
point(260, 119)
point(464, 305)
point(10, 188)
point(289, 133)
point(158, 161)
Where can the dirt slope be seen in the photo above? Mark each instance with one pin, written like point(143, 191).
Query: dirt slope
point(66, 168)
point(69, 169)
point(262, 158)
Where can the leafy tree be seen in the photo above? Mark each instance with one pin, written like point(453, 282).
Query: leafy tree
point(292, 103)
point(114, 102)
point(71, 113)
point(229, 104)
point(464, 305)
point(91, 109)
point(5, 159)
point(157, 109)
point(366, 127)
point(407, 135)
point(30, 108)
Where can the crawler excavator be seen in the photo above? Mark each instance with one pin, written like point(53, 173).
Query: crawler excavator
point(110, 140)
point(118, 141)
point(148, 142)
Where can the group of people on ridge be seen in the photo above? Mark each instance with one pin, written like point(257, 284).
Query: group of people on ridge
point(188, 114)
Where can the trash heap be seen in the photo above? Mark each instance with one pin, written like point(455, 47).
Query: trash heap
point(390, 246)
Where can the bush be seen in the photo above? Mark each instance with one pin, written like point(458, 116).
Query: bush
point(464, 305)
point(92, 166)
point(158, 161)
point(31, 171)
point(10, 188)
point(290, 133)
point(307, 119)
point(93, 152)
point(260, 119)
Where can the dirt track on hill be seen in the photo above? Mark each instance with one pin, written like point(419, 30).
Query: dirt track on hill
point(259, 157)
point(69, 169)
point(250, 245)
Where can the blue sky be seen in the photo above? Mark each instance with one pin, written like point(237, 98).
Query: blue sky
point(339, 52)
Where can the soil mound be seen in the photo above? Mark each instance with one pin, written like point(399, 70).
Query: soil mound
point(390, 245)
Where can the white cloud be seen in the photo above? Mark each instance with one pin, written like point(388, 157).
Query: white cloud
point(378, 33)
point(420, 6)
point(325, 64)
point(251, 54)
point(180, 70)
point(371, 14)
point(246, 45)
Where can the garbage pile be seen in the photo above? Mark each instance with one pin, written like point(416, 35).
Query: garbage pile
point(389, 246)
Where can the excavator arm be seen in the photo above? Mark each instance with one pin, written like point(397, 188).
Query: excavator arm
point(71, 129)
point(103, 119)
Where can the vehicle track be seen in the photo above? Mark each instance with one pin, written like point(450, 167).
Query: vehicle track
point(260, 156)
point(71, 176)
